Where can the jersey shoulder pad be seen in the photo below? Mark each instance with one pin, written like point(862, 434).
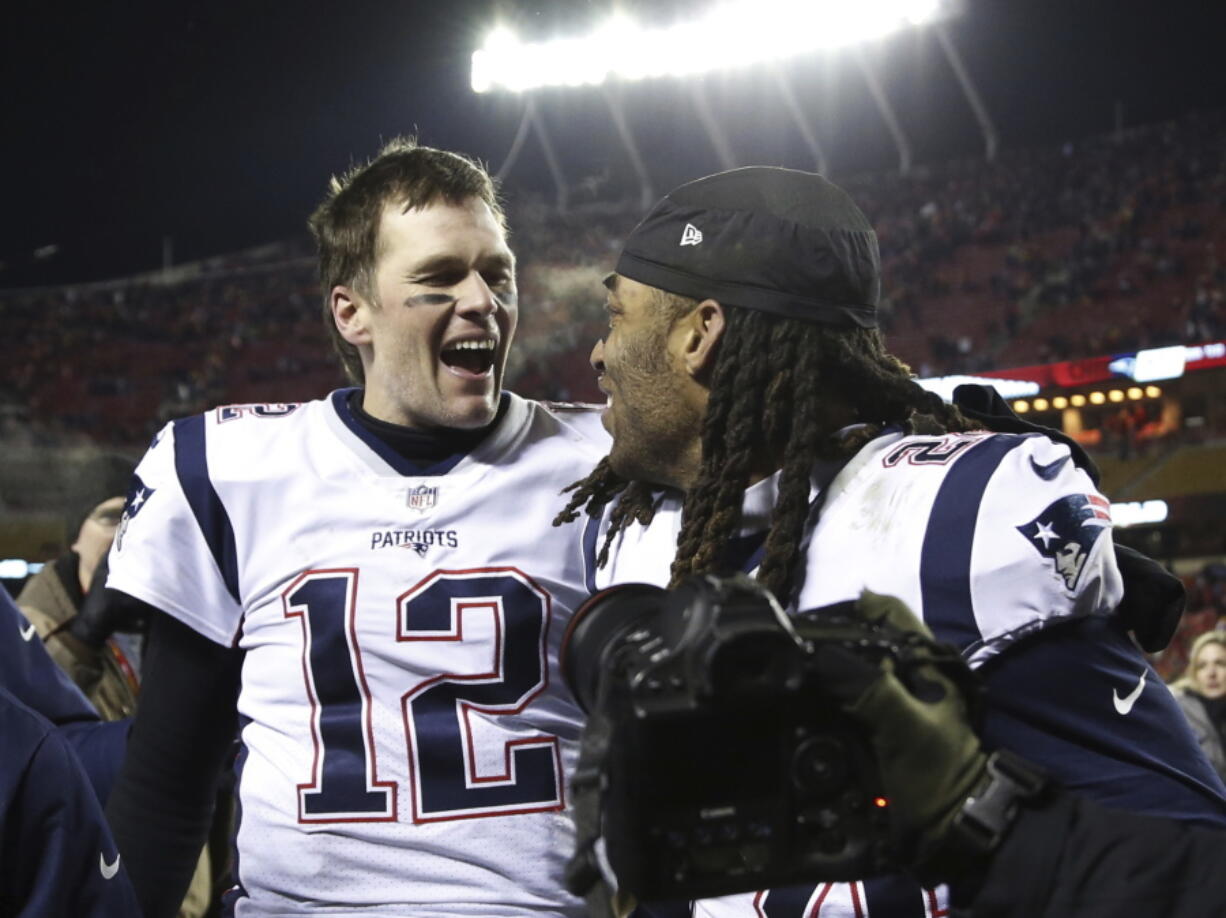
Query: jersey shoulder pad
point(580, 419)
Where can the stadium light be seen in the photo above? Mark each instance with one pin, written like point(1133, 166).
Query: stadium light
point(18, 568)
point(733, 34)
point(1007, 388)
point(1139, 513)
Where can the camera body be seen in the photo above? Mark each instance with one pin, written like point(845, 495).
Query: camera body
point(725, 768)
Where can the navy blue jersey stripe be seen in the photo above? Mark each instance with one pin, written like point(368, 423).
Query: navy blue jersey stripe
point(744, 553)
point(192, 467)
point(895, 895)
point(945, 560)
point(591, 532)
point(787, 901)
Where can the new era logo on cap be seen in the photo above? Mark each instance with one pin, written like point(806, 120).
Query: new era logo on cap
point(691, 235)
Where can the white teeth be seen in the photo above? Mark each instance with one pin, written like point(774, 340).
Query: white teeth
point(487, 345)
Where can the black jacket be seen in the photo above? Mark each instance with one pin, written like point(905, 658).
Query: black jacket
point(1070, 858)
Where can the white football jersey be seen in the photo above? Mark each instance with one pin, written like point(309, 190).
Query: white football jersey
point(987, 537)
point(405, 731)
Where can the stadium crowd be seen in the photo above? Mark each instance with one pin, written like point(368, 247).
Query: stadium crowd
point(1048, 254)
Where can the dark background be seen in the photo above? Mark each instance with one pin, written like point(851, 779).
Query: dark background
point(218, 123)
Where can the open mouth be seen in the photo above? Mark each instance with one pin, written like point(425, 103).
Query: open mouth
point(470, 358)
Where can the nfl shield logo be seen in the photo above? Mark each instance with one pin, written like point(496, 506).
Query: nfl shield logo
point(422, 498)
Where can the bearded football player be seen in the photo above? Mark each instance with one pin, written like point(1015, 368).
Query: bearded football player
point(760, 426)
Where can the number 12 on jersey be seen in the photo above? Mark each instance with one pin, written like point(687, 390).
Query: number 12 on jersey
point(440, 713)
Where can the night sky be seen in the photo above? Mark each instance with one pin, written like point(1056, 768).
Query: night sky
point(219, 123)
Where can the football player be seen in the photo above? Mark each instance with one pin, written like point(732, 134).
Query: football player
point(759, 425)
point(368, 590)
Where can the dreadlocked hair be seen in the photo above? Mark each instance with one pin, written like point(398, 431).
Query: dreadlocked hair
point(637, 504)
point(781, 390)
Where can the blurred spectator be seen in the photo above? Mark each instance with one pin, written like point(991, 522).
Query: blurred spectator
point(106, 671)
point(1106, 245)
point(1201, 693)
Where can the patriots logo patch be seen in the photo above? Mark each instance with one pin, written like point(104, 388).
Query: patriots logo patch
point(138, 495)
point(1066, 532)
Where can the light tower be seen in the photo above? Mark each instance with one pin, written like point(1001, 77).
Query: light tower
point(743, 34)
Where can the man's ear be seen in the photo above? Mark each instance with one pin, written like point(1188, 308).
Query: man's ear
point(349, 311)
point(704, 329)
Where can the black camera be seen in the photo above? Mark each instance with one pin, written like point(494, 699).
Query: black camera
point(718, 762)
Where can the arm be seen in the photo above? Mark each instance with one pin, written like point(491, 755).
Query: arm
point(1153, 597)
point(1013, 847)
point(1020, 573)
point(1080, 700)
point(162, 804)
point(29, 673)
point(58, 855)
point(32, 676)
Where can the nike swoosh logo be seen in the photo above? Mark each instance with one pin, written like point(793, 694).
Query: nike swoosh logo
point(1050, 470)
point(1124, 705)
point(26, 633)
point(108, 870)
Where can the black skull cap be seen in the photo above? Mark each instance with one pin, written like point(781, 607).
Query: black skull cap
point(761, 237)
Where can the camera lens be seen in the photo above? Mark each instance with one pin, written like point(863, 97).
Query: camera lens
point(819, 764)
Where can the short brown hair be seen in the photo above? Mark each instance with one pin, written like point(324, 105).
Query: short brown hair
point(346, 223)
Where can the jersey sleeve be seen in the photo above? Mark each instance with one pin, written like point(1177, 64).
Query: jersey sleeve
point(174, 548)
point(1019, 540)
point(1019, 571)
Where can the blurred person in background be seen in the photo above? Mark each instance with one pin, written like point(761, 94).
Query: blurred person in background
point(104, 665)
point(1201, 693)
point(95, 642)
